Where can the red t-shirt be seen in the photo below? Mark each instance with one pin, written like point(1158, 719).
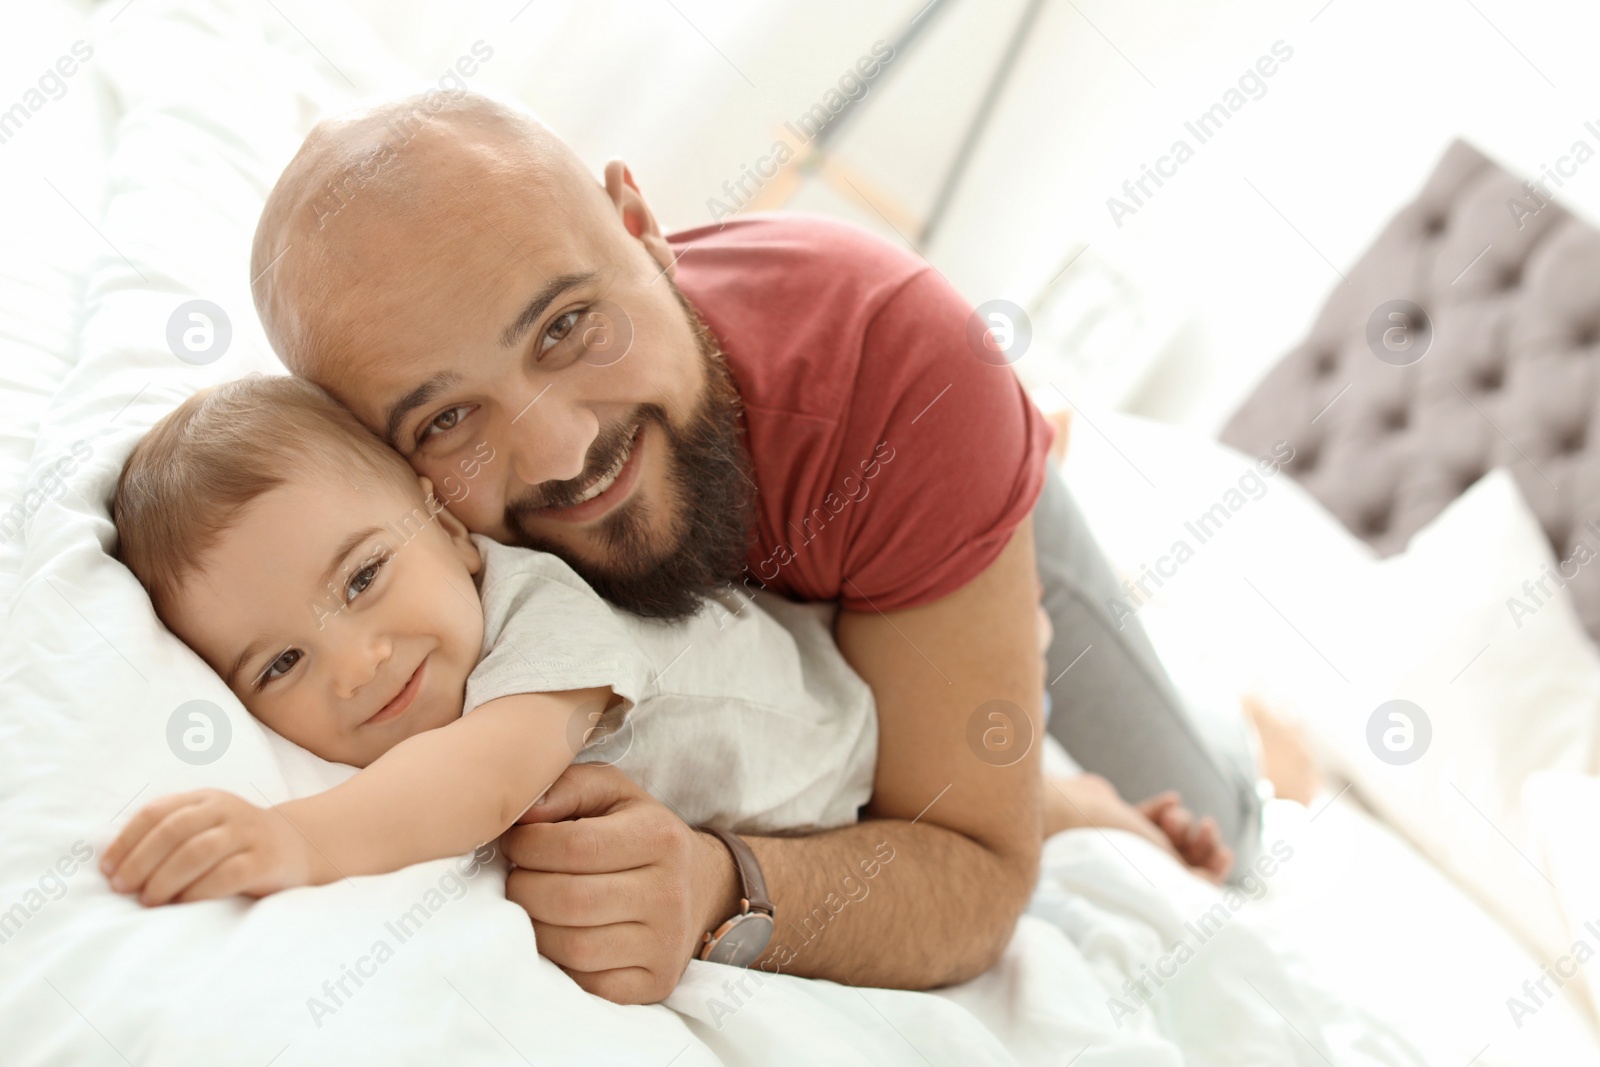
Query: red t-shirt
point(892, 464)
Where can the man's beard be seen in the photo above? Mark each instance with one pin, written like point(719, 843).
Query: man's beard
point(708, 479)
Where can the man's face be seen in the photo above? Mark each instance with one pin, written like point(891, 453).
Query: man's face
point(533, 359)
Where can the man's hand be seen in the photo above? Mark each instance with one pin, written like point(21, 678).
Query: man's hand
point(208, 844)
point(1089, 800)
point(619, 888)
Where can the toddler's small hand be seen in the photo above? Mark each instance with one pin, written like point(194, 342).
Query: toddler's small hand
point(203, 845)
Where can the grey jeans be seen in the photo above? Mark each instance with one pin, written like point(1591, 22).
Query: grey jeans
point(1115, 710)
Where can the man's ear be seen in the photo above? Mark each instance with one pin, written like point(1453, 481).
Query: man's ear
point(636, 215)
point(454, 528)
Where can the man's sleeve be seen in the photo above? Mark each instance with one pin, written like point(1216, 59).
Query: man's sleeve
point(946, 449)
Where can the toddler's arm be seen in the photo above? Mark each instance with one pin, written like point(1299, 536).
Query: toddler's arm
point(437, 794)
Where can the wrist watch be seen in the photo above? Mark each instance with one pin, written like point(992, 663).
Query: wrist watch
point(741, 940)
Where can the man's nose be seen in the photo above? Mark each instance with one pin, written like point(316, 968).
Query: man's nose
point(550, 440)
point(360, 658)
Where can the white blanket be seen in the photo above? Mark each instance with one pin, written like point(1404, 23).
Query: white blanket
point(431, 964)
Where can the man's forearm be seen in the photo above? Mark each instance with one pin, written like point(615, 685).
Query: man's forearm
point(889, 903)
point(957, 684)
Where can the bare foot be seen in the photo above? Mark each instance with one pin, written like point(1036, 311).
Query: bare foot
point(1090, 800)
point(1286, 759)
point(1062, 421)
point(1199, 844)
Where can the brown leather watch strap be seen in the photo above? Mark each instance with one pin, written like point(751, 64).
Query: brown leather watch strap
point(750, 876)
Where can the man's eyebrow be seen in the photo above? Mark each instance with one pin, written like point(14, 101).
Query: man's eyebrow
point(340, 551)
point(541, 300)
point(413, 400)
point(433, 386)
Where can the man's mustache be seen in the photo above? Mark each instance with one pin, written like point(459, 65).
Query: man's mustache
point(608, 447)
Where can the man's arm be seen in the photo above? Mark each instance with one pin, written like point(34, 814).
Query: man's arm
point(955, 804)
point(925, 892)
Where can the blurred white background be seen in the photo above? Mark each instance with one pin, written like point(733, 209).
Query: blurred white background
point(1227, 262)
point(1190, 299)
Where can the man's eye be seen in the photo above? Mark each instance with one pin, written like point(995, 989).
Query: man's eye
point(561, 328)
point(362, 579)
point(444, 422)
point(280, 666)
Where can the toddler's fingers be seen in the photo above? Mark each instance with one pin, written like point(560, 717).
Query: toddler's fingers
point(232, 876)
point(187, 863)
point(143, 821)
point(172, 831)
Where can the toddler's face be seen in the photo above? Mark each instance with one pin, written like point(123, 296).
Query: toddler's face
point(343, 615)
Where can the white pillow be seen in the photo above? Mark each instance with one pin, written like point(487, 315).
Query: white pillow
point(1502, 694)
point(1563, 809)
point(1284, 601)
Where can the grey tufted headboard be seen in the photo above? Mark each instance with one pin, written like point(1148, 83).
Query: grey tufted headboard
point(1510, 283)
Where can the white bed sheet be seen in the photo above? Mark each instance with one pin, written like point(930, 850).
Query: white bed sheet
point(1384, 926)
point(54, 168)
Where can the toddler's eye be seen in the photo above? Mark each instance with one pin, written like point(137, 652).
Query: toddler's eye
point(362, 579)
point(281, 666)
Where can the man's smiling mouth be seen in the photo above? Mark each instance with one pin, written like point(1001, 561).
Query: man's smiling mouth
point(609, 478)
point(606, 491)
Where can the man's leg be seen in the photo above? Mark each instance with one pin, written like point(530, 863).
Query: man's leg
point(1113, 707)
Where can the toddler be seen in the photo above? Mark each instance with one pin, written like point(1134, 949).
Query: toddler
point(326, 584)
point(348, 610)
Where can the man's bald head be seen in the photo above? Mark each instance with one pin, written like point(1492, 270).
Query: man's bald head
point(450, 271)
point(398, 175)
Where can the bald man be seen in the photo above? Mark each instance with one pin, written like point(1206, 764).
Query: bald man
point(782, 403)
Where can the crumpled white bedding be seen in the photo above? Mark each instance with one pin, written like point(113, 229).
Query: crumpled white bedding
point(54, 168)
point(431, 963)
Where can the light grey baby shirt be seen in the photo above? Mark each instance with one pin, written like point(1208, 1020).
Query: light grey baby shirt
point(744, 716)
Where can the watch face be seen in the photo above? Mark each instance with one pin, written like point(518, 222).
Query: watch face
point(743, 939)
